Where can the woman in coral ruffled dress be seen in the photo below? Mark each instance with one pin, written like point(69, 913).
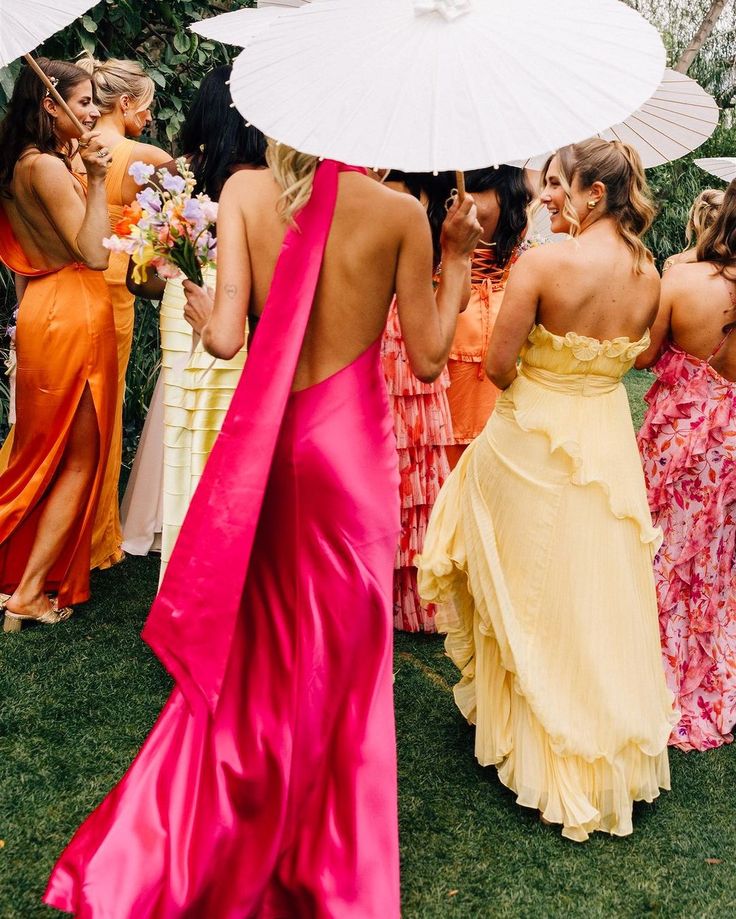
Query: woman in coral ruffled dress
point(688, 446)
point(422, 423)
point(502, 196)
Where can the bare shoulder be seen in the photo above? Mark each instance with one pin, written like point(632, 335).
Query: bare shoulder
point(683, 275)
point(542, 259)
point(48, 175)
point(149, 154)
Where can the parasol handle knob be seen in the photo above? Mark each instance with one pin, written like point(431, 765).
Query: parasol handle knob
point(449, 9)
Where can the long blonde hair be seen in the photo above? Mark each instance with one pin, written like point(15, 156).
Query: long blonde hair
point(115, 78)
point(703, 214)
point(294, 172)
point(628, 198)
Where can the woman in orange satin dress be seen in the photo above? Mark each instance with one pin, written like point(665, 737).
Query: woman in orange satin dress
point(51, 228)
point(124, 94)
point(502, 197)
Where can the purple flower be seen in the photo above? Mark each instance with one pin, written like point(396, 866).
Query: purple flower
point(174, 184)
point(193, 212)
point(149, 199)
point(141, 172)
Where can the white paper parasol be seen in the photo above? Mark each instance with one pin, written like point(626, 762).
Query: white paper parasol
point(678, 118)
point(722, 167)
point(26, 24)
point(425, 85)
point(244, 24)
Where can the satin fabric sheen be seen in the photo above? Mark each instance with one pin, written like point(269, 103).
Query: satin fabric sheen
point(269, 789)
point(65, 342)
point(107, 533)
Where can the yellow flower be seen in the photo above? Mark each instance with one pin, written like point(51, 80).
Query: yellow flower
point(142, 258)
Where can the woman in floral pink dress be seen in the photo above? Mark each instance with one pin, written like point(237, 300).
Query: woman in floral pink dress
point(688, 447)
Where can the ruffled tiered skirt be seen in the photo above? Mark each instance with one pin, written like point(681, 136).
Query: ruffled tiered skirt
point(688, 448)
point(540, 548)
point(423, 430)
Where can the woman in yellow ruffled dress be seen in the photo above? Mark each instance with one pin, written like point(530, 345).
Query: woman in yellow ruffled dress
point(194, 390)
point(542, 538)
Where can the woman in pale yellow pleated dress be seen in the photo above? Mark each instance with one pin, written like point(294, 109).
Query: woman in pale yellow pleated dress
point(194, 389)
point(540, 546)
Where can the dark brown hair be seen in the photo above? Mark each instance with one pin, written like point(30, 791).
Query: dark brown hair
point(718, 242)
point(27, 123)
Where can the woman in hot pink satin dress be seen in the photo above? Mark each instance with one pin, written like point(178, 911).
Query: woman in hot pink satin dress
point(267, 787)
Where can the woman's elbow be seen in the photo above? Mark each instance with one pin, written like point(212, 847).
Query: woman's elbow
point(427, 371)
point(223, 350)
point(99, 263)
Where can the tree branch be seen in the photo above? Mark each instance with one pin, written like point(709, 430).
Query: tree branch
point(702, 35)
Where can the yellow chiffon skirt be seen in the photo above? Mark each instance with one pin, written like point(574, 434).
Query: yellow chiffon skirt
point(540, 552)
point(197, 391)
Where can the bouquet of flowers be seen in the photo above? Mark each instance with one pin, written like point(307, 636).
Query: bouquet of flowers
point(167, 228)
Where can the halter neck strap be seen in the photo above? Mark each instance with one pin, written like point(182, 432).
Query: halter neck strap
point(193, 619)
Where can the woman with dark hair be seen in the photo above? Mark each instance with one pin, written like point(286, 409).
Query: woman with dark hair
point(688, 447)
point(194, 390)
point(52, 224)
point(216, 138)
point(422, 422)
point(502, 196)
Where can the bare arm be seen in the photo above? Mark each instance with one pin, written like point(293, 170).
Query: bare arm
point(515, 320)
point(80, 225)
point(660, 331)
point(427, 319)
point(221, 322)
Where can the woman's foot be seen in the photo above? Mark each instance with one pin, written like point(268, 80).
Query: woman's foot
point(39, 609)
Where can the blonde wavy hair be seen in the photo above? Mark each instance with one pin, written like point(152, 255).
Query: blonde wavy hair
point(294, 172)
point(628, 199)
point(115, 78)
point(703, 213)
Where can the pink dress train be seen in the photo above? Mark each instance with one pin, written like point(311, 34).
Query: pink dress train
point(423, 429)
point(688, 448)
point(267, 787)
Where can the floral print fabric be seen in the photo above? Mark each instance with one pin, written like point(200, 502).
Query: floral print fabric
point(423, 429)
point(688, 448)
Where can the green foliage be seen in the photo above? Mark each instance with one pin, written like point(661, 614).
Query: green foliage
point(676, 185)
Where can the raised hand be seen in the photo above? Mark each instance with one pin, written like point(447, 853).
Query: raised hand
point(95, 155)
point(461, 230)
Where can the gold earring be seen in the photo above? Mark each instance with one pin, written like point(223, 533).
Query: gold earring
point(592, 205)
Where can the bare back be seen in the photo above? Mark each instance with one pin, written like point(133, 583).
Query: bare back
point(35, 224)
point(702, 305)
point(589, 286)
point(358, 277)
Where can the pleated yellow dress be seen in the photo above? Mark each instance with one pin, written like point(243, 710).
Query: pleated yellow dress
point(540, 547)
point(197, 393)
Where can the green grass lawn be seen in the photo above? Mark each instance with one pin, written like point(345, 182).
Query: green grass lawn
point(77, 701)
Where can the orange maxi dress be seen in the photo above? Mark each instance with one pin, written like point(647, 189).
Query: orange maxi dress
point(471, 395)
point(64, 342)
point(107, 534)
